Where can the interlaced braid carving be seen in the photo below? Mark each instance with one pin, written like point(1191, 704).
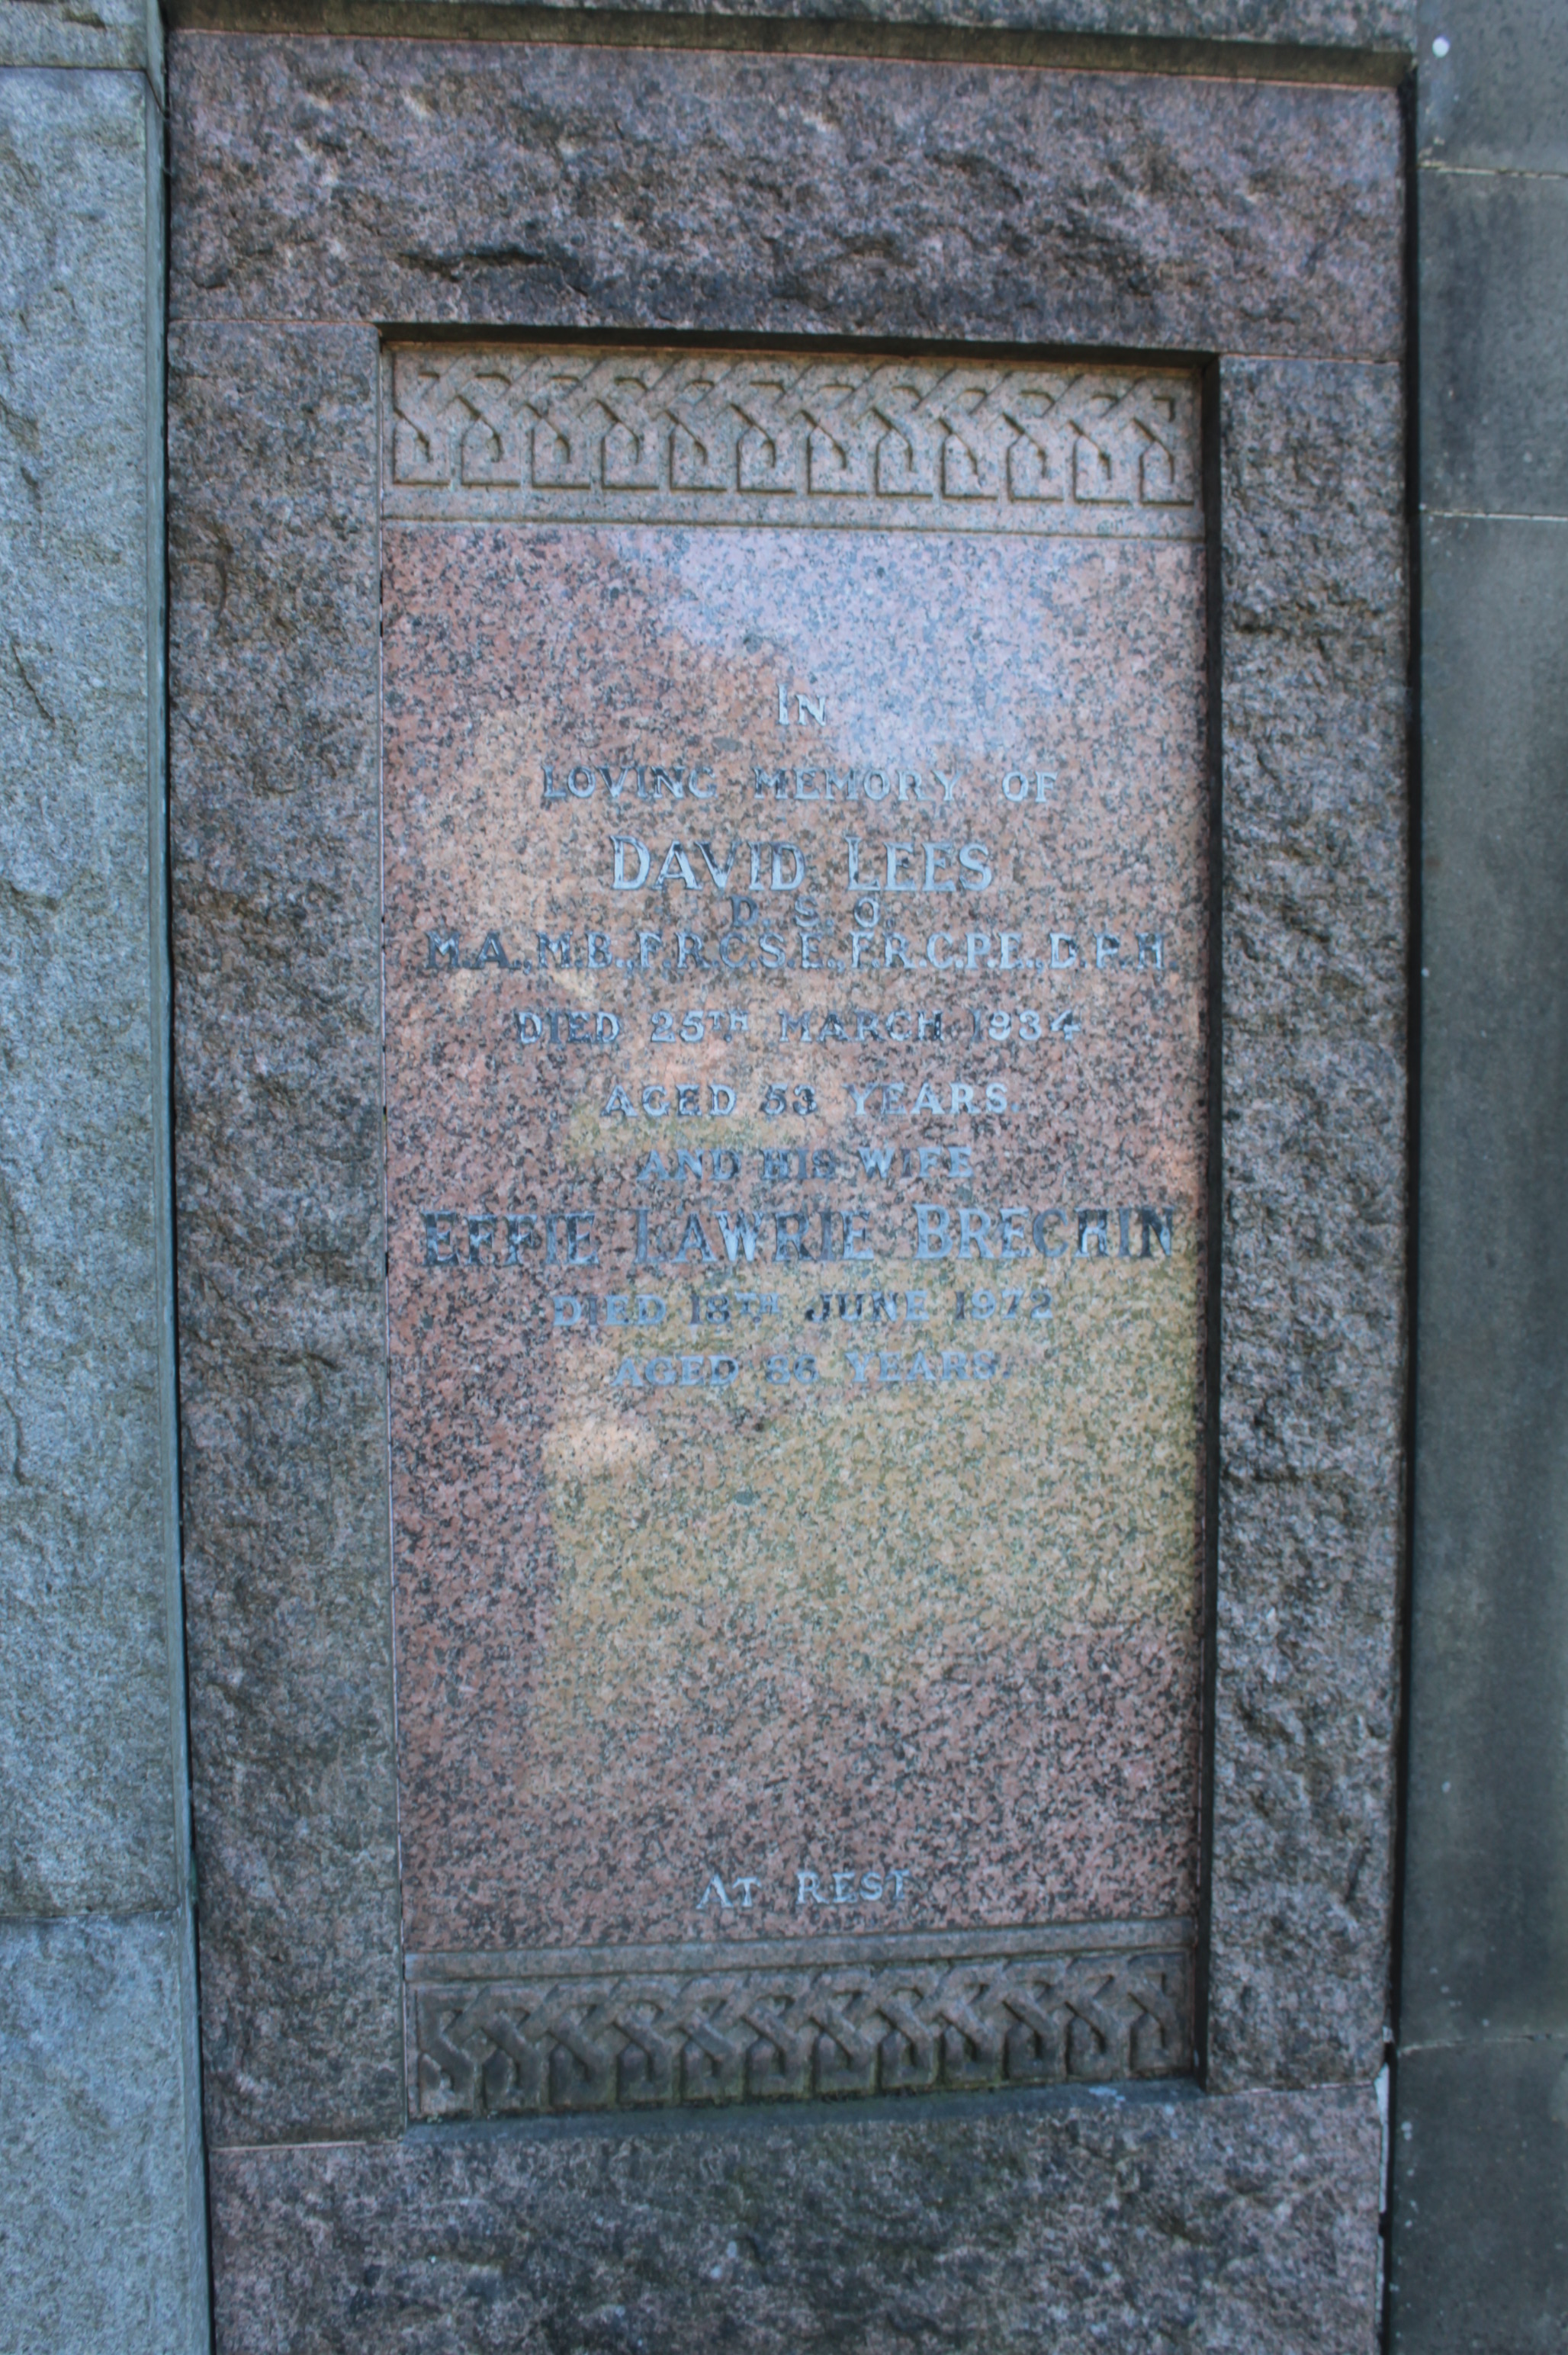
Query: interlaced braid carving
point(647, 2039)
point(741, 437)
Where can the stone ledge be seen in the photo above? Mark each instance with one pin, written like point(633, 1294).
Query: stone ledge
point(1001, 2222)
point(1371, 46)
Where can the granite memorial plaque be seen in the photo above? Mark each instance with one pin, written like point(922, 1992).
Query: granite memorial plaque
point(796, 839)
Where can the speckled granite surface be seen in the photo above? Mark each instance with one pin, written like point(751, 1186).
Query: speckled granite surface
point(906, 1588)
point(322, 185)
point(275, 843)
point(1246, 2223)
point(1313, 1328)
point(558, 187)
point(1314, 39)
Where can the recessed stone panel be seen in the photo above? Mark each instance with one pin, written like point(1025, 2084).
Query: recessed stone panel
point(795, 842)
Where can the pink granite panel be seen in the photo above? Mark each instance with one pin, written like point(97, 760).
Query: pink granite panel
point(795, 1167)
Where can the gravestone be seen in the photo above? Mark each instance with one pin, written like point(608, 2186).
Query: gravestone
point(787, 706)
point(795, 849)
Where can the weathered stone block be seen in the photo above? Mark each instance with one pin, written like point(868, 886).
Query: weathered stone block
point(1496, 97)
point(1144, 211)
point(328, 184)
point(86, 1750)
point(1313, 1325)
point(1480, 2186)
point(275, 850)
point(101, 2226)
point(1487, 1895)
point(1496, 350)
point(127, 33)
point(1024, 2222)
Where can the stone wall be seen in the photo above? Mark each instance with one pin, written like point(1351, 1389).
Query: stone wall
point(102, 2225)
point(102, 2229)
point(322, 188)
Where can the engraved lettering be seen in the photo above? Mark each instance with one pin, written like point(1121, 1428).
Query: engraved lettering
point(788, 1411)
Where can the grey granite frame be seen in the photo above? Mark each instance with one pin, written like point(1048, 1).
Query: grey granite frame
point(327, 190)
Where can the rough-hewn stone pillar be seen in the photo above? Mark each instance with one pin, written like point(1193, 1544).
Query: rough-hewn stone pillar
point(102, 2220)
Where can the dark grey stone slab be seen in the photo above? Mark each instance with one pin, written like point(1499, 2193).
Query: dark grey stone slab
point(277, 874)
point(1003, 2230)
point(1487, 1920)
point(1498, 97)
point(1312, 1227)
point(652, 190)
point(101, 2249)
point(1479, 2252)
point(1493, 345)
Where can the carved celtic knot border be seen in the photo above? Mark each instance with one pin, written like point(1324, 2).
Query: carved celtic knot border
point(500, 432)
point(585, 2031)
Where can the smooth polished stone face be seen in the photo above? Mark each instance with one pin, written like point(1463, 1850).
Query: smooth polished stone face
point(795, 955)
